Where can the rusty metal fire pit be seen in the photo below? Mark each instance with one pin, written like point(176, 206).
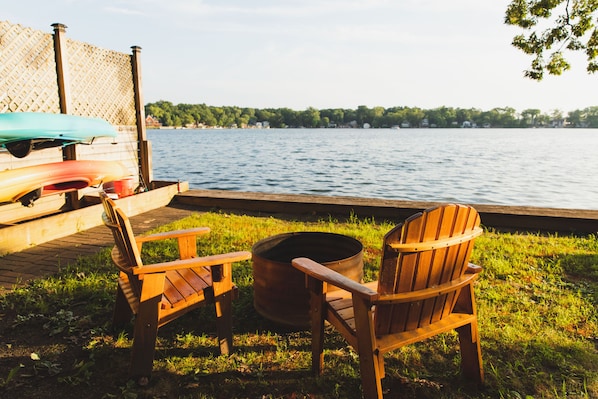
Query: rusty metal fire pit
point(279, 289)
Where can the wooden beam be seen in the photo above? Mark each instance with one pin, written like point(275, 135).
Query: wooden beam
point(64, 94)
point(145, 149)
point(64, 90)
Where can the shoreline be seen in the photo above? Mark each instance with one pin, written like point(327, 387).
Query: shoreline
point(504, 218)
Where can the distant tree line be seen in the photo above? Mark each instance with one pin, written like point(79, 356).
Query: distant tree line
point(202, 115)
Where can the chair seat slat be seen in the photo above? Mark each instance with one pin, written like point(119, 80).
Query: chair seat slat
point(183, 285)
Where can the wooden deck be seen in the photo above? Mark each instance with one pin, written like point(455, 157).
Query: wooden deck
point(47, 258)
point(16, 269)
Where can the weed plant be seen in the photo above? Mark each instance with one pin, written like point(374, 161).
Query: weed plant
point(536, 300)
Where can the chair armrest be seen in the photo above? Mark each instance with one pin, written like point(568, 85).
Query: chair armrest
point(212, 260)
point(173, 234)
point(473, 268)
point(322, 273)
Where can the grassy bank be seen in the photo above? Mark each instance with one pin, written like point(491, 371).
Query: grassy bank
point(536, 297)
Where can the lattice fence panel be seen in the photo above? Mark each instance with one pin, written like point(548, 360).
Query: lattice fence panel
point(101, 83)
point(27, 70)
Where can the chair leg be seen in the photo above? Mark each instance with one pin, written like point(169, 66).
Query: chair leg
point(224, 321)
point(122, 311)
point(469, 340)
point(317, 305)
point(371, 379)
point(144, 340)
point(317, 341)
point(471, 353)
point(371, 364)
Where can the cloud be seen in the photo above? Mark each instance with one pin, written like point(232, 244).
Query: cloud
point(124, 11)
point(269, 8)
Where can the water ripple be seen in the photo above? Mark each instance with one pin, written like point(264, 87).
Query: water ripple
point(535, 167)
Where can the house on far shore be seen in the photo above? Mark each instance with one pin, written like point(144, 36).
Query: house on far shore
point(152, 122)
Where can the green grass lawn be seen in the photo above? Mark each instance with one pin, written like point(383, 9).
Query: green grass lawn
point(536, 299)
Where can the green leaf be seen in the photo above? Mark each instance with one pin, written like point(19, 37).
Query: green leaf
point(567, 24)
point(557, 64)
point(518, 14)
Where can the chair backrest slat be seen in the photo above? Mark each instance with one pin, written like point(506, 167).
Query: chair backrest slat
point(404, 270)
point(128, 255)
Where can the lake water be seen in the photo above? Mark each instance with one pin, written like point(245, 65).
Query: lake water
point(556, 168)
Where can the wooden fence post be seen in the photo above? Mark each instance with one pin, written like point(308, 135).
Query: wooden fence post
point(145, 149)
point(69, 152)
point(64, 92)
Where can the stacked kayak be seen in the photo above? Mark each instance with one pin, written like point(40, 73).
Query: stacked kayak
point(32, 182)
point(23, 132)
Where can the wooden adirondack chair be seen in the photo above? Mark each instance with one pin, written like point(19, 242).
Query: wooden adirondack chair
point(425, 288)
point(159, 293)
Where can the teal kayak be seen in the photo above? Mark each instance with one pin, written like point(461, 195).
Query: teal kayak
point(22, 132)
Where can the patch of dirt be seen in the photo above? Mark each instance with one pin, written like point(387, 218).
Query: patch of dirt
point(40, 359)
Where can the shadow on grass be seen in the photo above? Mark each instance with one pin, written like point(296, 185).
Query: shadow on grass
point(80, 355)
point(582, 270)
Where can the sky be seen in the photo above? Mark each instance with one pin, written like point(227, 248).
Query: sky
point(318, 53)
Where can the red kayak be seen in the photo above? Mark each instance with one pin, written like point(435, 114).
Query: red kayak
point(30, 183)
